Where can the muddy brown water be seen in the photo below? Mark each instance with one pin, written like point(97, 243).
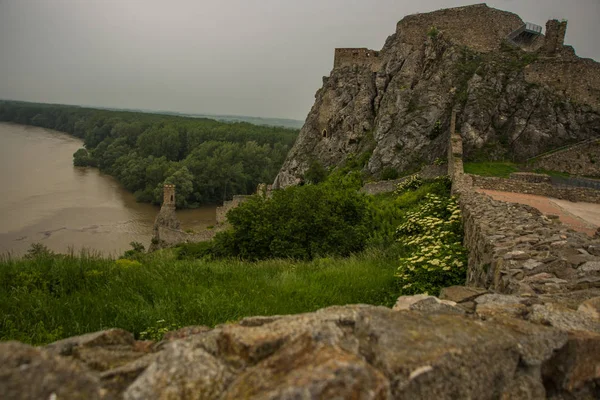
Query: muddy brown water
point(45, 199)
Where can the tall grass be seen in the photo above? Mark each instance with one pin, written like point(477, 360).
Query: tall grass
point(51, 297)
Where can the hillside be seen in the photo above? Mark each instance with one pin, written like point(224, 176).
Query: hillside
point(518, 93)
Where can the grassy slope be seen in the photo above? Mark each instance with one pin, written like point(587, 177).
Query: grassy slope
point(50, 298)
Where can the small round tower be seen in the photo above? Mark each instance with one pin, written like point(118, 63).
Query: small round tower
point(169, 196)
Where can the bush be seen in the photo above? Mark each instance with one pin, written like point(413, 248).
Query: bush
point(299, 222)
point(389, 174)
point(432, 235)
point(137, 249)
point(194, 250)
point(38, 250)
point(413, 182)
point(316, 173)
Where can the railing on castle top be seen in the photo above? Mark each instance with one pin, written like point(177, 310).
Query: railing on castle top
point(563, 148)
point(560, 181)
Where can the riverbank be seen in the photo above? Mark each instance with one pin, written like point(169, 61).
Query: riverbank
point(46, 199)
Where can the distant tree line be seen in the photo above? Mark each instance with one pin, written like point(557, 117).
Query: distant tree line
point(208, 161)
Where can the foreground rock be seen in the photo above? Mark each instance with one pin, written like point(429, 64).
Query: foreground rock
point(428, 348)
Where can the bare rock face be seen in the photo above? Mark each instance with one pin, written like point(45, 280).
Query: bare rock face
point(422, 351)
point(512, 103)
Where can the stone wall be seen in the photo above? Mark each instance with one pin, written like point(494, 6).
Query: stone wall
point(477, 346)
point(540, 189)
point(582, 159)
point(478, 26)
point(228, 205)
point(345, 57)
point(577, 78)
point(512, 247)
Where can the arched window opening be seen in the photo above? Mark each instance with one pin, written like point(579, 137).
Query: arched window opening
point(324, 133)
point(171, 197)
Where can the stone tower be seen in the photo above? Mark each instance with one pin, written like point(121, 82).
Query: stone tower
point(555, 36)
point(169, 196)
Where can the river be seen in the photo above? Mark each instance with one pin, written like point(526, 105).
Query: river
point(45, 199)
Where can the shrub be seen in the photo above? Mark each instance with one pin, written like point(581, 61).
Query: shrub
point(413, 182)
point(316, 173)
point(389, 174)
point(137, 249)
point(194, 250)
point(38, 250)
point(433, 32)
point(436, 130)
point(433, 236)
point(299, 222)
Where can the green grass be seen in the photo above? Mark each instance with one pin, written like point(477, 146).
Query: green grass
point(501, 169)
point(46, 297)
point(50, 298)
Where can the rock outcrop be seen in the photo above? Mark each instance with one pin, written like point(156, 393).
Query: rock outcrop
point(469, 344)
point(513, 102)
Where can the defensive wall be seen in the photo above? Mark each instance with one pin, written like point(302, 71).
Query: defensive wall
point(517, 184)
point(229, 205)
point(478, 26)
point(578, 78)
point(582, 159)
point(347, 57)
point(513, 248)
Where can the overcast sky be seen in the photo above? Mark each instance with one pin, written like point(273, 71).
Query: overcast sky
point(243, 57)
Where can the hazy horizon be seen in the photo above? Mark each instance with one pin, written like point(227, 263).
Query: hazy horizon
point(235, 57)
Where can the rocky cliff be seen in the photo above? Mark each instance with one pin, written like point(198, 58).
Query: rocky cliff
point(516, 98)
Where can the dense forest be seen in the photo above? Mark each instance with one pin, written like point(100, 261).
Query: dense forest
point(208, 161)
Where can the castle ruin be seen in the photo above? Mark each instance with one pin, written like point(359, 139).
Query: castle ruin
point(485, 29)
point(167, 231)
point(344, 57)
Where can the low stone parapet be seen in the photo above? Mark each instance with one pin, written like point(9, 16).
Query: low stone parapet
point(536, 184)
point(469, 344)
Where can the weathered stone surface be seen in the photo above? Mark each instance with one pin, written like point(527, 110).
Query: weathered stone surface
point(31, 373)
point(576, 366)
point(308, 370)
point(591, 308)
point(110, 337)
point(181, 371)
point(185, 332)
point(116, 380)
point(424, 360)
point(489, 310)
point(427, 304)
point(357, 351)
point(495, 298)
point(460, 294)
point(102, 350)
point(563, 318)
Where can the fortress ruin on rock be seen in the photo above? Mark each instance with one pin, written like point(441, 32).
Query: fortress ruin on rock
point(484, 29)
point(520, 91)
